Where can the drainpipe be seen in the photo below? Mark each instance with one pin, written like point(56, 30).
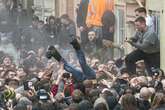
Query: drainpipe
point(139, 3)
point(162, 38)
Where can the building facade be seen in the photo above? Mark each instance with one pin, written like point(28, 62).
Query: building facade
point(45, 8)
point(124, 11)
point(159, 7)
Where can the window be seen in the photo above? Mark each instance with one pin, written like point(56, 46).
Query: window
point(44, 8)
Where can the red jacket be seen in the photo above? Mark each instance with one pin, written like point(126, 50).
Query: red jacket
point(54, 89)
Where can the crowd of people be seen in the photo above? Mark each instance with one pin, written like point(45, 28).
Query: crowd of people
point(69, 85)
point(46, 66)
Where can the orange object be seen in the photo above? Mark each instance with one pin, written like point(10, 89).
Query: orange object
point(96, 9)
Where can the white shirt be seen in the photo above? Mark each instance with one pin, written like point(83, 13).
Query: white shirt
point(150, 22)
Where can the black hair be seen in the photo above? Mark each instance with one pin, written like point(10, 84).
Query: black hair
point(119, 62)
point(41, 21)
point(9, 80)
point(140, 10)
point(9, 70)
point(66, 75)
point(140, 19)
point(52, 17)
point(65, 16)
point(124, 70)
point(35, 18)
point(20, 5)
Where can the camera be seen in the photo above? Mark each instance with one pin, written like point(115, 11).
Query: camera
point(157, 71)
point(28, 85)
point(42, 95)
point(134, 39)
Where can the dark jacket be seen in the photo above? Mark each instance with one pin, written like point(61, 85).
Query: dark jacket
point(161, 107)
point(143, 104)
point(108, 20)
point(32, 38)
point(67, 33)
point(82, 13)
point(112, 102)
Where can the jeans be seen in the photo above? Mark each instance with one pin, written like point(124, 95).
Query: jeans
point(150, 60)
point(86, 73)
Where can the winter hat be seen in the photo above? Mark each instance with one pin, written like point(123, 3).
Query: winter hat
point(9, 94)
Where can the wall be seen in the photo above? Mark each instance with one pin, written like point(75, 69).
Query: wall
point(154, 4)
point(69, 7)
point(162, 36)
point(131, 5)
point(62, 5)
point(56, 7)
point(159, 5)
point(44, 8)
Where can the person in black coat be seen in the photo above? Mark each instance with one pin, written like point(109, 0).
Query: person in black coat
point(81, 19)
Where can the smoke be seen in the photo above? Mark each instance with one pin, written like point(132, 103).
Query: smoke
point(8, 48)
point(6, 29)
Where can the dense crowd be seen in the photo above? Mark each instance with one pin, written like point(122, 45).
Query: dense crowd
point(42, 84)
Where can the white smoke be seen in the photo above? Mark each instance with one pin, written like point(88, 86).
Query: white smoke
point(8, 48)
